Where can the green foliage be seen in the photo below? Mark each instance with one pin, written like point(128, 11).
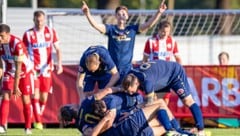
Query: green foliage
point(235, 4)
point(19, 3)
point(132, 4)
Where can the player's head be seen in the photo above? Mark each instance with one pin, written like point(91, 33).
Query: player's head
point(92, 62)
point(39, 19)
point(223, 58)
point(164, 28)
point(121, 14)
point(130, 83)
point(4, 33)
point(99, 108)
point(66, 114)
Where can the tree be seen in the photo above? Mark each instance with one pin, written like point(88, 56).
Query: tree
point(107, 4)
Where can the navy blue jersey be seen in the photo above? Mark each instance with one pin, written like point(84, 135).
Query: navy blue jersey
point(160, 75)
point(119, 101)
point(126, 102)
point(106, 62)
point(86, 118)
point(121, 45)
point(135, 124)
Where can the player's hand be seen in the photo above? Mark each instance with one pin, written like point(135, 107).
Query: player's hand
point(17, 93)
point(85, 7)
point(162, 7)
point(108, 116)
point(124, 115)
point(59, 69)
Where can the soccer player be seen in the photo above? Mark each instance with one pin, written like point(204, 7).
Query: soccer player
point(160, 75)
point(97, 115)
point(162, 46)
point(96, 66)
point(40, 41)
point(16, 76)
point(121, 38)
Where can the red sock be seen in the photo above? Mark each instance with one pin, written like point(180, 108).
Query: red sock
point(27, 114)
point(4, 111)
point(42, 107)
point(36, 110)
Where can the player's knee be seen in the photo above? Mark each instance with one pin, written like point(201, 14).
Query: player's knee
point(188, 101)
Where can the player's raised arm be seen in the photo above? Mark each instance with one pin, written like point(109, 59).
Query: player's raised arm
point(152, 21)
point(100, 27)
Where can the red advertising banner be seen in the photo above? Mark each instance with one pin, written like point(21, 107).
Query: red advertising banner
point(214, 88)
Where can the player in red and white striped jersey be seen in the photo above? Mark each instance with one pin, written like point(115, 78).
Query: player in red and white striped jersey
point(40, 41)
point(162, 46)
point(17, 77)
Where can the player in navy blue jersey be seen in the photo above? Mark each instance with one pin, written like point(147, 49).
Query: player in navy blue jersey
point(96, 66)
point(95, 116)
point(159, 75)
point(121, 38)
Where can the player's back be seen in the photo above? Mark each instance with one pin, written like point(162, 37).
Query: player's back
point(158, 74)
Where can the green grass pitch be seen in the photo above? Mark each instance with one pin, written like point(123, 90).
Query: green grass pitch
point(74, 132)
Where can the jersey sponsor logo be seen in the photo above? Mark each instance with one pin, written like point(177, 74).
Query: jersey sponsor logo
point(41, 45)
point(47, 35)
point(7, 57)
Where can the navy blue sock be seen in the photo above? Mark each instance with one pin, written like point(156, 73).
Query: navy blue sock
point(164, 119)
point(197, 115)
point(175, 124)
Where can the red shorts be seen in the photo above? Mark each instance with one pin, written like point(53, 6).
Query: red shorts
point(43, 83)
point(25, 83)
point(167, 96)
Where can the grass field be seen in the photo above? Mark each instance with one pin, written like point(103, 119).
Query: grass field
point(74, 132)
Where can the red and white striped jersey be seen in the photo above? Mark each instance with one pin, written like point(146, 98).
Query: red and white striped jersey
point(164, 49)
point(39, 45)
point(15, 50)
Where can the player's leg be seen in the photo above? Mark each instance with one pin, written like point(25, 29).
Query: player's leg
point(26, 86)
point(182, 89)
point(45, 88)
point(6, 91)
point(4, 110)
point(35, 104)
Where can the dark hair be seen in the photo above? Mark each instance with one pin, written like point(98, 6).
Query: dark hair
point(128, 81)
point(163, 24)
point(99, 107)
point(223, 53)
point(67, 113)
point(38, 13)
point(121, 8)
point(4, 28)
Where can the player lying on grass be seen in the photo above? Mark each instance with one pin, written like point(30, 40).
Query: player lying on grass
point(160, 75)
point(96, 116)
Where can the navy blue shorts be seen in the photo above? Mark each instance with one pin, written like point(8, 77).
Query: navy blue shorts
point(134, 125)
point(90, 82)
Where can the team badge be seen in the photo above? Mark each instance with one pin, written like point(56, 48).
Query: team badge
point(47, 35)
point(180, 91)
point(169, 46)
